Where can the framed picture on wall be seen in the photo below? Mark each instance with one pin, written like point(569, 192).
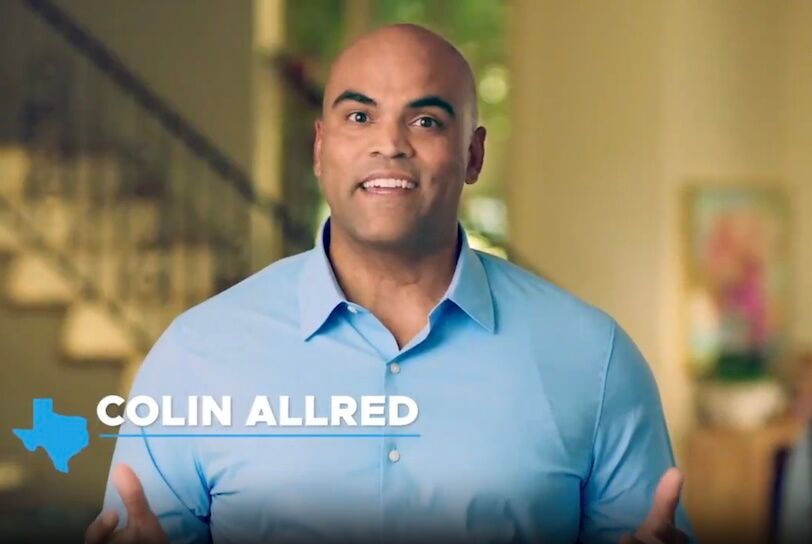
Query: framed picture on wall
point(738, 280)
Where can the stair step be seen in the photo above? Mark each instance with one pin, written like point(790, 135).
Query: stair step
point(91, 334)
point(101, 175)
point(95, 177)
point(176, 274)
point(61, 222)
point(14, 166)
point(9, 242)
point(33, 280)
point(88, 199)
point(183, 275)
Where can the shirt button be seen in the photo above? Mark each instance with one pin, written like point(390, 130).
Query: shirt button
point(394, 456)
point(352, 309)
point(394, 368)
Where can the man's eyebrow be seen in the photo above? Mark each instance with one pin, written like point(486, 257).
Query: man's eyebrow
point(433, 100)
point(354, 96)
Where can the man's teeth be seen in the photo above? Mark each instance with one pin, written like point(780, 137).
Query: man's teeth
point(389, 183)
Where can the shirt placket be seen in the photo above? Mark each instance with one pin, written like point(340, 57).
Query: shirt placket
point(393, 484)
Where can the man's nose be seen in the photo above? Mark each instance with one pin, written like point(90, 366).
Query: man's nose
point(392, 141)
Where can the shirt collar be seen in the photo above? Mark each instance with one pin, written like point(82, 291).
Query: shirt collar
point(320, 293)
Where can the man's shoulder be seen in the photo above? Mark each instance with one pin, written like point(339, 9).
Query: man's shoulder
point(568, 342)
point(521, 292)
point(269, 292)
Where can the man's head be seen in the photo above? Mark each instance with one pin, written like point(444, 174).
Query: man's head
point(398, 139)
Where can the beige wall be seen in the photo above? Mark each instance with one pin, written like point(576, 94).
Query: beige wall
point(194, 53)
point(586, 146)
point(799, 157)
point(618, 106)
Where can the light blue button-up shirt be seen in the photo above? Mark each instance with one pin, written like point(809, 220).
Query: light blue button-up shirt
point(539, 420)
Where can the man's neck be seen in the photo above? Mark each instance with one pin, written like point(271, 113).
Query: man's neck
point(400, 288)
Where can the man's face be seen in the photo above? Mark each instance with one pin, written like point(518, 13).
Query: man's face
point(396, 143)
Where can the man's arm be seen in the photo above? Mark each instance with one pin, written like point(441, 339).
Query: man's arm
point(631, 449)
point(167, 468)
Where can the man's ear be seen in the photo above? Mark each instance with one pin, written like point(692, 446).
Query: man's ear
point(319, 127)
point(476, 156)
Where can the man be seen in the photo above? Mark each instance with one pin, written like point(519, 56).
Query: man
point(539, 419)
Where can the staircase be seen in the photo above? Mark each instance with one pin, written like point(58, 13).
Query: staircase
point(88, 279)
point(112, 205)
point(116, 214)
point(118, 293)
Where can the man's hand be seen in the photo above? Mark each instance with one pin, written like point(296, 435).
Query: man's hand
point(659, 527)
point(142, 525)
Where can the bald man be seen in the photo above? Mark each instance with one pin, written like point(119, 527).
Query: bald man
point(538, 420)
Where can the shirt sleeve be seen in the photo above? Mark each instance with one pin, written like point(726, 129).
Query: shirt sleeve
point(168, 468)
point(631, 448)
point(796, 502)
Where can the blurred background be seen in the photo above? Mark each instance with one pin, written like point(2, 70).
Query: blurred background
point(653, 157)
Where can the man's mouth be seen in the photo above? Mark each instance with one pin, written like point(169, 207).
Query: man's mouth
point(388, 183)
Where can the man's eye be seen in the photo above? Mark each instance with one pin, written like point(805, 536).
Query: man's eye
point(358, 117)
point(427, 122)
